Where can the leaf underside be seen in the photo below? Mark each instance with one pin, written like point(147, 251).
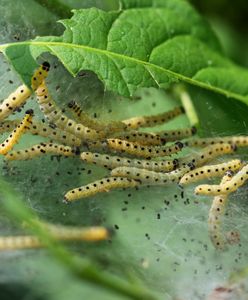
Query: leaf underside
point(148, 44)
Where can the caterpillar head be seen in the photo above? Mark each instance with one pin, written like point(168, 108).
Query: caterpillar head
point(46, 66)
point(29, 112)
point(193, 130)
point(175, 163)
point(179, 144)
point(191, 166)
point(71, 104)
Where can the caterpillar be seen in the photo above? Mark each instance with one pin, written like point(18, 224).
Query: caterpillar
point(216, 212)
point(72, 233)
point(41, 149)
point(83, 118)
point(143, 138)
point(240, 141)
point(210, 171)
point(41, 129)
point(151, 177)
point(59, 232)
point(99, 186)
point(207, 154)
point(176, 134)
point(143, 151)
point(150, 121)
point(56, 116)
point(15, 135)
point(226, 188)
point(22, 93)
point(112, 162)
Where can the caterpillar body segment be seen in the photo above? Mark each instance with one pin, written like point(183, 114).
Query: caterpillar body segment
point(41, 129)
point(39, 150)
point(59, 232)
point(138, 150)
point(229, 187)
point(40, 75)
point(56, 134)
point(22, 93)
point(207, 154)
point(99, 186)
point(15, 100)
point(240, 141)
point(19, 242)
point(176, 134)
point(15, 135)
point(151, 177)
point(83, 118)
point(216, 213)
point(210, 171)
point(56, 116)
point(143, 138)
point(151, 121)
point(72, 233)
point(112, 162)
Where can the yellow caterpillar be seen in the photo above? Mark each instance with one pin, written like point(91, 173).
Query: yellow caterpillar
point(143, 151)
point(72, 233)
point(41, 129)
point(240, 141)
point(218, 237)
point(99, 186)
point(22, 93)
point(143, 138)
point(151, 121)
point(15, 135)
point(56, 116)
point(231, 186)
point(151, 177)
point(176, 134)
point(41, 149)
point(59, 232)
point(112, 162)
point(210, 171)
point(207, 154)
point(86, 120)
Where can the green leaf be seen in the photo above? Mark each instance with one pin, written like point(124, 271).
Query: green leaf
point(155, 45)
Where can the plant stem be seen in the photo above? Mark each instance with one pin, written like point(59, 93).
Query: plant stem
point(188, 105)
point(57, 8)
point(79, 267)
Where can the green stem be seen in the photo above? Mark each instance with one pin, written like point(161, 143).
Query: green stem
point(79, 267)
point(61, 10)
point(188, 105)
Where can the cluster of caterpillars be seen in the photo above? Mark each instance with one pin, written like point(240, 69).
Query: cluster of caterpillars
point(144, 158)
